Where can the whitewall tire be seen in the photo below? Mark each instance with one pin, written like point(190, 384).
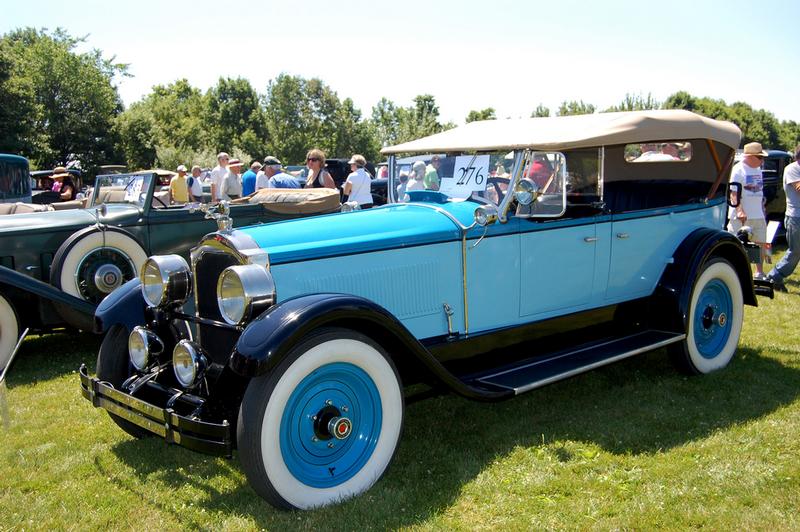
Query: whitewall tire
point(9, 330)
point(324, 425)
point(714, 324)
point(96, 262)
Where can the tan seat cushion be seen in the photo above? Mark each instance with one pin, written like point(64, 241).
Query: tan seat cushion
point(22, 208)
point(162, 195)
point(295, 200)
point(64, 205)
point(115, 194)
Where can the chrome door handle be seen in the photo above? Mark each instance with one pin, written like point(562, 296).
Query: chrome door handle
point(590, 239)
point(623, 235)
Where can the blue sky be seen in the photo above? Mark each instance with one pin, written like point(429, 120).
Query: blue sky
point(470, 55)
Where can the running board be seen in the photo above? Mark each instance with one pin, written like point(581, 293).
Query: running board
point(530, 375)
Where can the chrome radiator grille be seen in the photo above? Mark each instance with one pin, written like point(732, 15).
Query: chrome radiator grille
point(216, 341)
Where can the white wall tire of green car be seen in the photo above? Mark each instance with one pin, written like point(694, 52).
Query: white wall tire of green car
point(9, 331)
point(91, 242)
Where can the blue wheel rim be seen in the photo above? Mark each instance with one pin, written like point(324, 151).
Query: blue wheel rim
point(712, 318)
point(322, 462)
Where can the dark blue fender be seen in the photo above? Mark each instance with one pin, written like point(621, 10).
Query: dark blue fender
point(270, 337)
point(672, 297)
point(124, 306)
point(73, 310)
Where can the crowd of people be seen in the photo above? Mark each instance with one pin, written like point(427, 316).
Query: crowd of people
point(227, 182)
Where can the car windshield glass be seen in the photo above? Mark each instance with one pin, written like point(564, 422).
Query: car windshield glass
point(459, 176)
point(122, 188)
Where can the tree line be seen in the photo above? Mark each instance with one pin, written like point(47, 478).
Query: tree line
point(58, 105)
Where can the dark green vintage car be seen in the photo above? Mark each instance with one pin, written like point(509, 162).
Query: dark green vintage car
point(58, 262)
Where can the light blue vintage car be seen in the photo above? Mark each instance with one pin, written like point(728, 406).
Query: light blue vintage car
point(525, 252)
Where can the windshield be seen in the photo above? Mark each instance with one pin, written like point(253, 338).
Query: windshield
point(483, 177)
point(15, 183)
point(122, 188)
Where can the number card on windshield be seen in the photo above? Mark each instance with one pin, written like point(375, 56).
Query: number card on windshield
point(469, 175)
point(134, 189)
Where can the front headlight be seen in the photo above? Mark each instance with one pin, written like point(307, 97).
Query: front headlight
point(243, 292)
point(142, 344)
point(188, 362)
point(165, 279)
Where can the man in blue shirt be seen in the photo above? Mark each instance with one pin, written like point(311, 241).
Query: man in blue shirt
point(249, 179)
point(275, 177)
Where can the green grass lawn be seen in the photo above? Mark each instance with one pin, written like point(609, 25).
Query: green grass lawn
point(634, 445)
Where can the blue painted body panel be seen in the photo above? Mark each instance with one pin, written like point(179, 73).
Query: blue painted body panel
point(412, 284)
point(642, 247)
point(522, 271)
point(387, 227)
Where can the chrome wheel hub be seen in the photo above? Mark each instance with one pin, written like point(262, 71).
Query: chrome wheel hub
point(107, 278)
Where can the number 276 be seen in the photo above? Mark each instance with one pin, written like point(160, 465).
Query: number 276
point(468, 173)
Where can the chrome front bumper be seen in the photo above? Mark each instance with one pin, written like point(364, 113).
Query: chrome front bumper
point(201, 436)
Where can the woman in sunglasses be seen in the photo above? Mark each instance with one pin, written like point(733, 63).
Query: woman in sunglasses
point(318, 177)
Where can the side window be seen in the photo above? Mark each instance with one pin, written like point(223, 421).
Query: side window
point(583, 175)
point(652, 152)
point(544, 172)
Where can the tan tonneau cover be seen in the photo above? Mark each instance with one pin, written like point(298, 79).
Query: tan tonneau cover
point(579, 131)
point(295, 200)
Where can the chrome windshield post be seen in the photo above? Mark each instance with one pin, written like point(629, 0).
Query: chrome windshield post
point(391, 191)
point(520, 160)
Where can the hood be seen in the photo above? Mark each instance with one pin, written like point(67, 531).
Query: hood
point(387, 227)
point(66, 219)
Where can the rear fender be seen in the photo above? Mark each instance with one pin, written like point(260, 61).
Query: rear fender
point(268, 339)
point(671, 300)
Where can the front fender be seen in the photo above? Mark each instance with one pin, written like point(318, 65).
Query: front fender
point(673, 295)
point(124, 306)
point(269, 338)
point(25, 283)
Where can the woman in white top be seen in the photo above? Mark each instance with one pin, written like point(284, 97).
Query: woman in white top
point(358, 184)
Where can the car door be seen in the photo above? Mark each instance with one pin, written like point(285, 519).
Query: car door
point(557, 266)
point(492, 276)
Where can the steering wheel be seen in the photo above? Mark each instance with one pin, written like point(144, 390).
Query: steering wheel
point(156, 198)
point(496, 182)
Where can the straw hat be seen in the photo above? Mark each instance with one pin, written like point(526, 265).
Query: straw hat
point(60, 171)
point(754, 148)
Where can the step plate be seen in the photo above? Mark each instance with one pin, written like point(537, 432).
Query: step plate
point(535, 374)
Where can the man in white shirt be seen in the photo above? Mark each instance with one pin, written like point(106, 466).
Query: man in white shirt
point(750, 211)
point(218, 174)
point(195, 185)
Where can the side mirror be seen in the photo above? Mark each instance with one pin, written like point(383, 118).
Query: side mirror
point(734, 194)
point(486, 215)
point(526, 192)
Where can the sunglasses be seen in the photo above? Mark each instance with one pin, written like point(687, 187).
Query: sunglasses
point(312, 160)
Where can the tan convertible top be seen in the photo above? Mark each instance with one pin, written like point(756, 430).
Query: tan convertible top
point(295, 200)
point(579, 131)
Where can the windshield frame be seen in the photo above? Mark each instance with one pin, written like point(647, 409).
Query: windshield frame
point(147, 188)
point(503, 206)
